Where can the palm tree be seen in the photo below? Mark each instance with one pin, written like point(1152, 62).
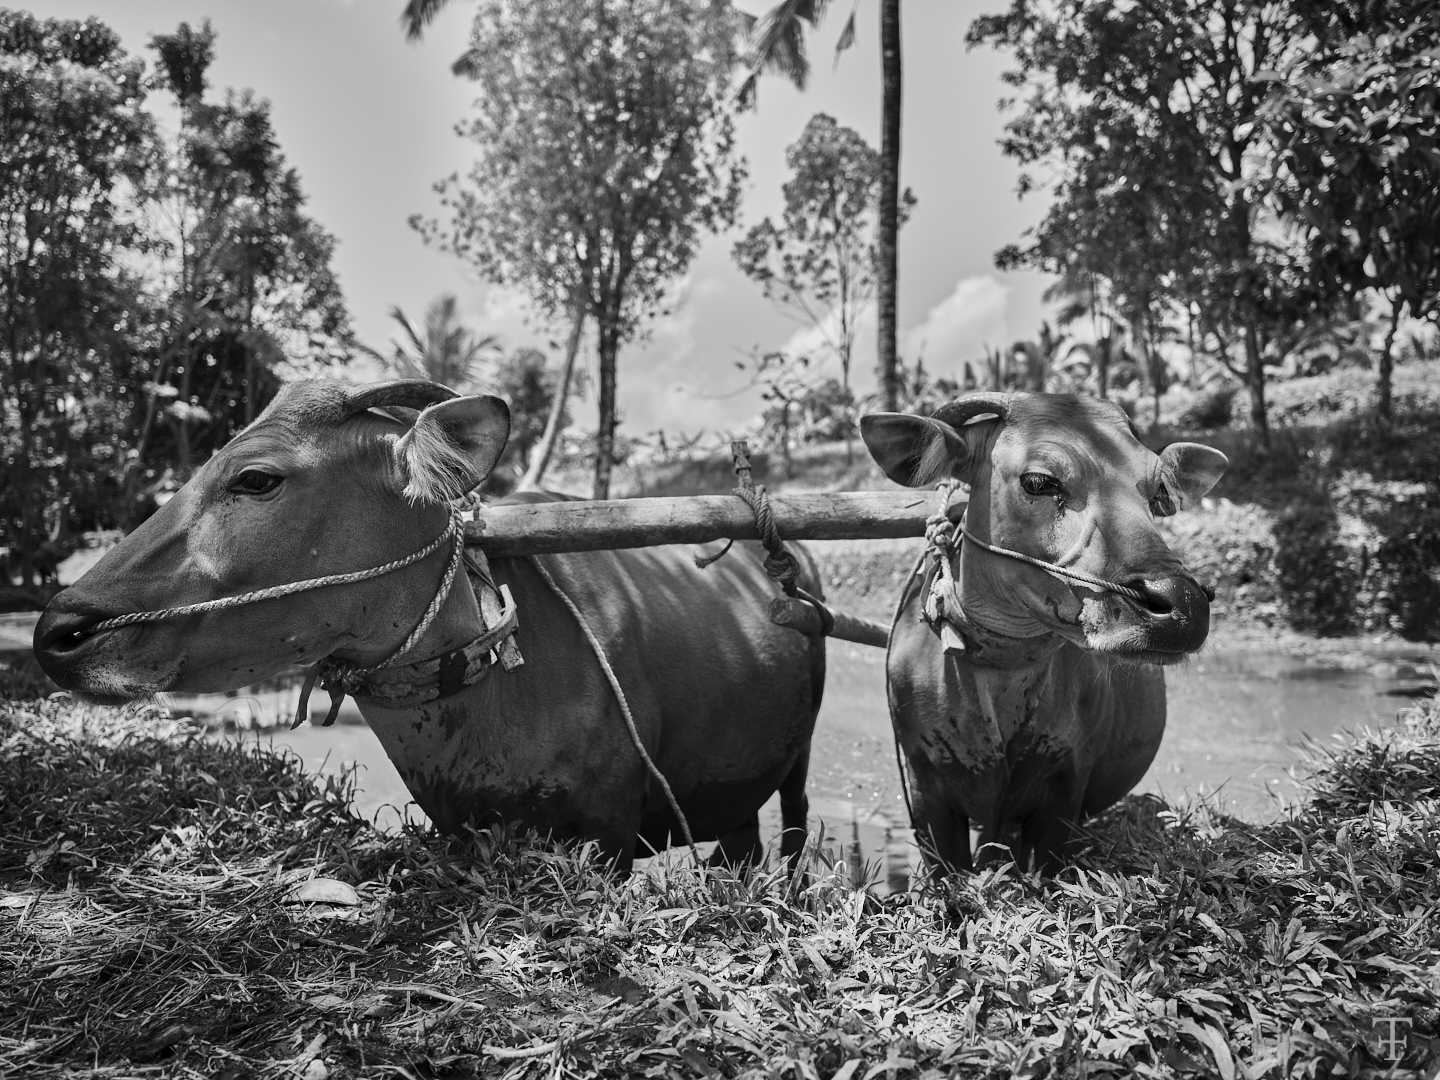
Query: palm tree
point(446, 353)
point(777, 45)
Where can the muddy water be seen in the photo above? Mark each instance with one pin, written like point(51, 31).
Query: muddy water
point(1236, 719)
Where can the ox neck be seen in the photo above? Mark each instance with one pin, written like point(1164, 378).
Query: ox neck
point(978, 639)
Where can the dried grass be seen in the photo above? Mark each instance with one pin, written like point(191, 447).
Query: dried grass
point(146, 932)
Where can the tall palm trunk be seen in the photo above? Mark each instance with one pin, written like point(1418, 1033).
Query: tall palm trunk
point(550, 438)
point(888, 242)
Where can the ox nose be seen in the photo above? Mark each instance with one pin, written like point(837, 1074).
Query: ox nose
point(59, 632)
point(1179, 608)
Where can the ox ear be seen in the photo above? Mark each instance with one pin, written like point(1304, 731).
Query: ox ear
point(452, 447)
point(914, 450)
point(1190, 471)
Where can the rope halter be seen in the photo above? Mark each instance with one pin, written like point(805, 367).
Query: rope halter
point(942, 605)
point(337, 676)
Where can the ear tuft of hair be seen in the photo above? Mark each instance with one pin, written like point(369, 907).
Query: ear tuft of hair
point(437, 469)
point(933, 462)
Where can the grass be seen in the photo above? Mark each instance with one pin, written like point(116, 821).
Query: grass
point(150, 927)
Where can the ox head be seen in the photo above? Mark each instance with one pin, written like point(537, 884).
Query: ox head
point(327, 480)
point(1064, 480)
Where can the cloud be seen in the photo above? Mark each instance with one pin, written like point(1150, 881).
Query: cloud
point(960, 326)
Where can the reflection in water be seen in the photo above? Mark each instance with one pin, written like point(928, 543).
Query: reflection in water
point(1235, 720)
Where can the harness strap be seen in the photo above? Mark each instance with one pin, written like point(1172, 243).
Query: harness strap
point(424, 681)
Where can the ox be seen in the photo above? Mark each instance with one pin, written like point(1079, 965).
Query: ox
point(329, 480)
point(1043, 701)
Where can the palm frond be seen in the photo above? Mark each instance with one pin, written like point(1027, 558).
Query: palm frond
point(778, 39)
point(419, 14)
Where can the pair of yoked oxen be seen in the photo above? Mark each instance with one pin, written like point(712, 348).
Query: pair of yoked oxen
point(1051, 711)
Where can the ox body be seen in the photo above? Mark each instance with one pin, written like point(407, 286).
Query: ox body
point(1049, 703)
point(329, 480)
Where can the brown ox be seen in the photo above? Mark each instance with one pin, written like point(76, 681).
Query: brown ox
point(1050, 703)
point(322, 483)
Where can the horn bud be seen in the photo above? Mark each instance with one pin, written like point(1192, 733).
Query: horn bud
point(404, 393)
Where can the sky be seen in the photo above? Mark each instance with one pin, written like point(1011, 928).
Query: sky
point(368, 119)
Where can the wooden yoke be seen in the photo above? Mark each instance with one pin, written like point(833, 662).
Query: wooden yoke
point(554, 527)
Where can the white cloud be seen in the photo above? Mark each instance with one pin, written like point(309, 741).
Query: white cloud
point(960, 326)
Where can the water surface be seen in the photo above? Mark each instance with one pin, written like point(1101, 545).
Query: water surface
point(1236, 719)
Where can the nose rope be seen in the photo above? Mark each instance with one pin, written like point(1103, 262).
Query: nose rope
point(274, 591)
point(1054, 568)
point(941, 536)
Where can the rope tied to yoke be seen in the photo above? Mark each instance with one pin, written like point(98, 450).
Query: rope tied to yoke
point(782, 566)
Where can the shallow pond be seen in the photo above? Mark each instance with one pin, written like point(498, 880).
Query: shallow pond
point(1236, 719)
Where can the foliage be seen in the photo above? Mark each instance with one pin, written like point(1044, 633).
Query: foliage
point(245, 290)
point(446, 352)
point(149, 293)
point(1358, 161)
point(606, 148)
point(819, 263)
point(74, 138)
point(147, 908)
point(1147, 114)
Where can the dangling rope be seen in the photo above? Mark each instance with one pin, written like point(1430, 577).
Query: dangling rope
point(624, 703)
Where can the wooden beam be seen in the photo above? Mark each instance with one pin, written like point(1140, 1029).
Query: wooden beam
point(551, 527)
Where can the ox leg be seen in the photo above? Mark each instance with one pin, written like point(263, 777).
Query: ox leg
point(1049, 836)
point(795, 809)
point(741, 847)
point(942, 830)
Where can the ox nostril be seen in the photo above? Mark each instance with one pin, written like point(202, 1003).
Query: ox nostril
point(1208, 590)
point(1175, 597)
point(1159, 599)
point(61, 631)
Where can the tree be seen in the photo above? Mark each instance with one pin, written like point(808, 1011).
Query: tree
point(606, 148)
point(1358, 162)
point(777, 44)
point(447, 352)
point(539, 410)
point(248, 292)
point(819, 263)
point(74, 136)
point(1148, 115)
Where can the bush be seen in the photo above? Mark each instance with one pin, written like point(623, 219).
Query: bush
point(1314, 572)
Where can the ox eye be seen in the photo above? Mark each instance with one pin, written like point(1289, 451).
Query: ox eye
point(255, 482)
point(1037, 484)
point(1162, 505)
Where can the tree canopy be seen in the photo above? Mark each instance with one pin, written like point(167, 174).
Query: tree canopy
point(606, 148)
point(153, 290)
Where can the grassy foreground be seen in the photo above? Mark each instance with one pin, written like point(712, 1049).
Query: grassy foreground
point(150, 925)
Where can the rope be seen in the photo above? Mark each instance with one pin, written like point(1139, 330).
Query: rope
point(624, 702)
point(1063, 571)
point(457, 556)
point(783, 567)
point(290, 589)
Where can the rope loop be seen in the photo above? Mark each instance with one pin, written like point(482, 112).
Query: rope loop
point(781, 565)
